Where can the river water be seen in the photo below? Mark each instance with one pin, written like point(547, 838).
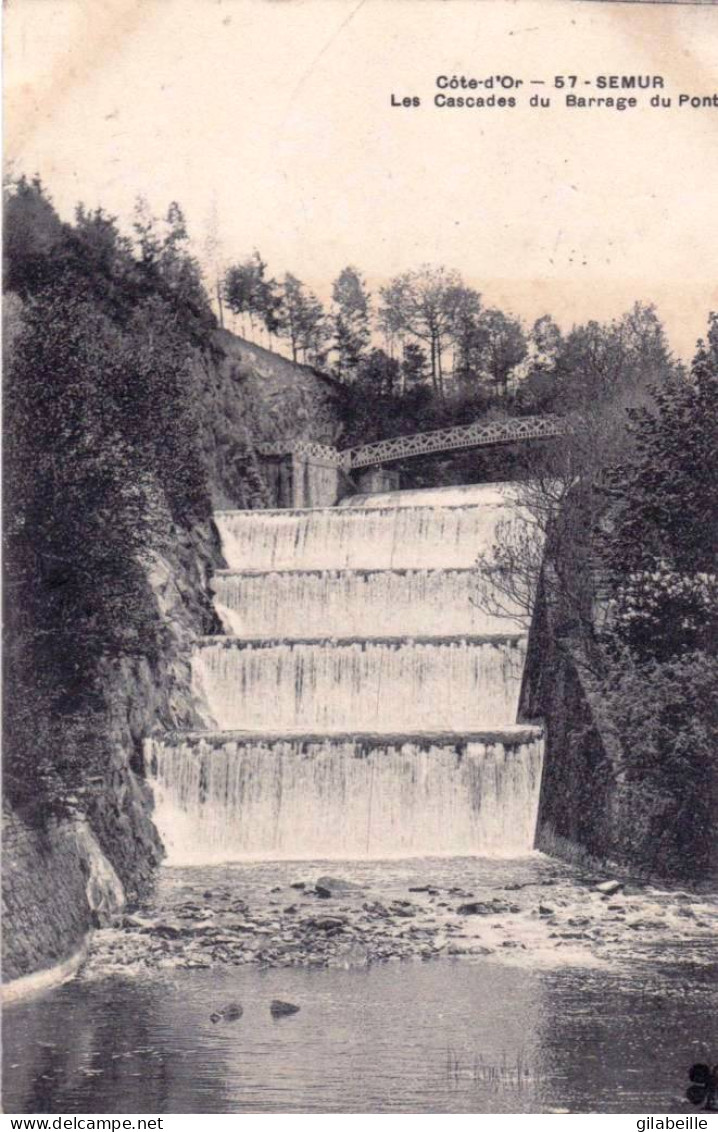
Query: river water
point(553, 997)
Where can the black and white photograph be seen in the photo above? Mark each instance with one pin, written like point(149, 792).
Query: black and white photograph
point(360, 560)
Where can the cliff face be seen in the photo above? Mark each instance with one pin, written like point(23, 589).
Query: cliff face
point(142, 697)
point(77, 870)
point(46, 914)
point(251, 396)
point(581, 753)
point(593, 805)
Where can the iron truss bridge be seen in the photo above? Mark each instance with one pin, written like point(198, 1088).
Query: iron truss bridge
point(476, 435)
point(449, 439)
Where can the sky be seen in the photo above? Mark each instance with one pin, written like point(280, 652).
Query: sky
point(277, 115)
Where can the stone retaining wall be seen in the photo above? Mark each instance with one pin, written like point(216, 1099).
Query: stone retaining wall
point(46, 915)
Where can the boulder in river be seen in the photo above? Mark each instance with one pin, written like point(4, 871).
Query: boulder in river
point(169, 929)
point(609, 887)
point(402, 908)
point(375, 908)
point(482, 908)
point(638, 890)
point(322, 892)
point(229, 1013)
point(338, 885)
point(139, 923)
point(279, 1009)
point(325, 923)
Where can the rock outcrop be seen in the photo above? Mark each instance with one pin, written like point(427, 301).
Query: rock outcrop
point(592, 810)
point(73, 872)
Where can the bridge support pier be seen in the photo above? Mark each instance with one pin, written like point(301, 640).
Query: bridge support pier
point(296, 480)
point(372, 480)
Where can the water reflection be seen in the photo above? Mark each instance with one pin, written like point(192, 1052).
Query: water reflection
point(413, 1037)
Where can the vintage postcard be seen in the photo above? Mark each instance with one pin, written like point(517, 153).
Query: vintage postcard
point(360, 542)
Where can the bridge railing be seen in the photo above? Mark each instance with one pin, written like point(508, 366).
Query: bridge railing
point(322, 453)
point(476, 435)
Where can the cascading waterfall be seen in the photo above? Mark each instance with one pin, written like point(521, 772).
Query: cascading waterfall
point(461, 495)
point(346, 798)
point(337, 603)
point(365, 704)
point(354, 538)
point(361, 685)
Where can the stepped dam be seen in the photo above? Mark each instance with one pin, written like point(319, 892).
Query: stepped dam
point(353, 817)
point(361, 703)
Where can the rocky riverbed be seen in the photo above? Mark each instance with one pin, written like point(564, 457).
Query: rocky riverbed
point(535, 912)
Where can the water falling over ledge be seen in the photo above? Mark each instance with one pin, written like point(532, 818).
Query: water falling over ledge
point(358, 538)
point(339, 603)
point(364, 703)
point(225, 799)
point(456, 684)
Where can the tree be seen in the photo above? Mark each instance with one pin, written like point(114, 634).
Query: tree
point(627, 502)
point(96, 242)
point(504, 348)
point(389, 318)
point(508, 574)
point(617, 361)
point(293, 313)
point(32, 232)
point(662, 542)
point(545, 340)
point(544, 344)
point(248, 291)
point(565, 486)
point(148, 240)
point(105, 462)
point(420, 304)
point(168, 267)
point(467, 332)
point(214, 259)
point(413, 366)
point(379, 374)
point(350, 320)
point(659, 543)
point(302, 321)
point(538, 392)
point(76, 523)
point(240, 289)
point(666, 713)
point(316, 333)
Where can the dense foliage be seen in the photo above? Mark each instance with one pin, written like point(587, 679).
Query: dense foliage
point(626, 509)
point(663, 541)
point(102, 462)
point(633, 545)
point(666, 713)
point(662, 633)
